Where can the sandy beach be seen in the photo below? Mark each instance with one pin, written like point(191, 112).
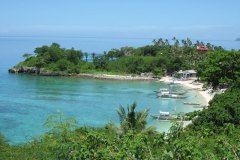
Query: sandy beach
point(191, 85)
point(114, 77)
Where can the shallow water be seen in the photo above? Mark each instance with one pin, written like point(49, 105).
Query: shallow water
point(27, 101)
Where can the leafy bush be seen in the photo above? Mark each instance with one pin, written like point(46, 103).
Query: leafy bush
point(223, 109)
point(221, 68)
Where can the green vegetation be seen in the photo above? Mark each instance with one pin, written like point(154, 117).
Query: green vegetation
point(221, 68)
point(159, 58)
point(132, 120)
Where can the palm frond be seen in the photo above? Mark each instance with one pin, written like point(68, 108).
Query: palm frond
point(121, 114)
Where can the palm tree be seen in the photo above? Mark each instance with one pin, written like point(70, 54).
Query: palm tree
point(176, 44)
point(166, 42)
point(189, 42)
point(174, 39)
point(154, 42)
point(209, 46)
point(184, 43)
point(132, 120)
point(161, 42)
point(93, 55)
point(86, 56)
point(197, 43)
point(158, 42)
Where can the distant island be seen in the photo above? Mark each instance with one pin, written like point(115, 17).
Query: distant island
point(238, 39)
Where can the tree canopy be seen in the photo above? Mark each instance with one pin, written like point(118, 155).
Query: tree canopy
point(221, 68)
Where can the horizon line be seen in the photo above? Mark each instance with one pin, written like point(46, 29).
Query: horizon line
point(108, 37)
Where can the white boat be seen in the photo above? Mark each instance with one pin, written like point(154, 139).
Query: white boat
point(163, 116)
point(168, 95)
point(191, 103)
point(179, 92)
point(167, 91)
point(164, 91)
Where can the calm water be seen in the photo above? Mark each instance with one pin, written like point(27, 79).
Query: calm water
point(26, 101)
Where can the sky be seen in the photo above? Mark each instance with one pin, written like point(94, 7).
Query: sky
point(205, 19)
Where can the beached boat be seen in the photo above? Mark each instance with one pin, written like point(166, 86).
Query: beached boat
point(163, 116)
point(179, 92)
point(168, 95)
point(192, 103)
point(165, 91)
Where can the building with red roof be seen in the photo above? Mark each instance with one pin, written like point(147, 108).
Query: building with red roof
point(202, 48)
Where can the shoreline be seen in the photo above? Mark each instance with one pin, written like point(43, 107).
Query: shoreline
point(42, 72)
point(114, 77)
point(207, 96)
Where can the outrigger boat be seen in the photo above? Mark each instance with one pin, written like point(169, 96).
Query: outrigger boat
point(191, 103)
point(179, 92)
point(167, 93)
point(171, 96)
point(171, 92)
point(163, 116)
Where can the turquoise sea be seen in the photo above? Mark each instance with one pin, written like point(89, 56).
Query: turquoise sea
point(26, 101)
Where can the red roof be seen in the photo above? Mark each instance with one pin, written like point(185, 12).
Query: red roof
point(202, 48)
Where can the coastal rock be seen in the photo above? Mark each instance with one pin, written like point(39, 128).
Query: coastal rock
point(146, 74)
point(13, 70)
point(29, 70)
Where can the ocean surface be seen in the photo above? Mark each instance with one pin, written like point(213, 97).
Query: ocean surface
point(26, 101)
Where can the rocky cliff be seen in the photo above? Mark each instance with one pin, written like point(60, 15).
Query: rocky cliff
point(30, 70)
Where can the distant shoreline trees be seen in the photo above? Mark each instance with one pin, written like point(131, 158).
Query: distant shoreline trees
point(163, 57)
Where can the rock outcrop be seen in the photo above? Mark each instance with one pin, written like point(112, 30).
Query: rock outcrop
point(30, 70)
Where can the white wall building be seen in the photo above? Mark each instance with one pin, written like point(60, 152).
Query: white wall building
point(187, 74)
